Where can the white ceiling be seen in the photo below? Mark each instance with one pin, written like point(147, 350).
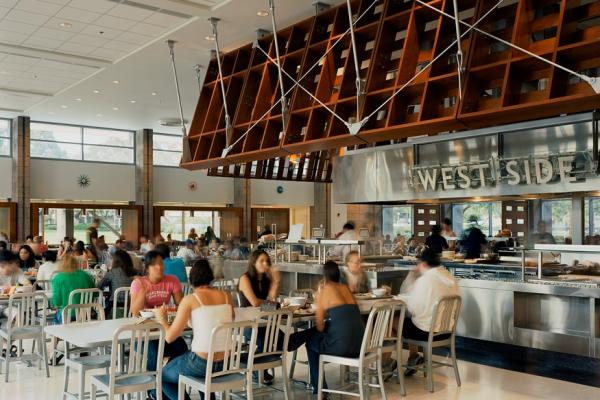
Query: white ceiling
point(50, 72)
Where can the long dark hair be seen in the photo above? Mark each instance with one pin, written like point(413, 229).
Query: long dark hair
point(331, 272)
point(30, 262)
point(122, 259)
point(79, 248)
point(252, 272)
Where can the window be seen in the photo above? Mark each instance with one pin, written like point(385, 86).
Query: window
point(4, 137)
point(167, 149)
point(178, 223)
point(68, 142)
point(53, 223)
point(592, 220)
point(557, 216)
point(488, 216)
point(397, 220)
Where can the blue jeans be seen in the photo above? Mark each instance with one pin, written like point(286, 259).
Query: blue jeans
point(189, 364)
point(172, 350)
point(313, 338)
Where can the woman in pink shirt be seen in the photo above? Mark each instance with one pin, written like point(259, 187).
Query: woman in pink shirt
point(153, 290)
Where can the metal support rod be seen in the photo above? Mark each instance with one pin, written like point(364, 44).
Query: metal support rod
point(171, 44)
point(339, 39)
point(595, 123)
point(213, 21)
point(459, 52)
point(284, 107)
point(355, 56)
point(593, 81)
point(428, 64)
point(198, 71)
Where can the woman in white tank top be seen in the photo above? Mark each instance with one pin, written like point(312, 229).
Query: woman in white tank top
point(202, 310)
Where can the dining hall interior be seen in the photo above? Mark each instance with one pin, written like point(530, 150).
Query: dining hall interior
point(274, 199)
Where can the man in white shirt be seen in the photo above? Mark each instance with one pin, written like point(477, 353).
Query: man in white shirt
point(48, 268)
point(348, 233)
point(187, 252)
point(433, 282)
point(145, 245)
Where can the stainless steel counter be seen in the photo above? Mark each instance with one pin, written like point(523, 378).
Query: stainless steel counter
point(548, 315)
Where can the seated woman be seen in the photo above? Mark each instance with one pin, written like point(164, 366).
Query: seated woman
point(120, 275)
point(339, 329)
point(156, 289)
point(260, 282)
point(26, 257)
point(68, 278)
point(204, 309)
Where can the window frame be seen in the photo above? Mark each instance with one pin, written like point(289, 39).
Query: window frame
point(490, 212)
point(82, 144)
point(154, 134)
point(411, 223)
point(9, 137)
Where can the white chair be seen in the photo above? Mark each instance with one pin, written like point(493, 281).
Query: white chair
point(135, 379)
point(370, 353)
point(445, 317)
point(83, 313)
point(272, 355)
point(393, 342)
point(86, 296)
point(125, 293)
point(22, 324)
point(235, 375)
point(224, 284)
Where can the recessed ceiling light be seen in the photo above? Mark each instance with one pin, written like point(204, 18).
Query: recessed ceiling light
point(210, 38)
point(154, 93)
point(64, 106)
point(116, 108)
point(132, 101)
point(116, 82)
point(65, 25)
point(262, 13)
point(96, 91)
point(79, 99)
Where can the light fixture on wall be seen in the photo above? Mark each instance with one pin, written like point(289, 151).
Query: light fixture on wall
point(192, 213)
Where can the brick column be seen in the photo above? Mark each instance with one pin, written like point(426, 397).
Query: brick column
point(144, 178)
point(243, 200)
point(21, 180)
point(320, 211)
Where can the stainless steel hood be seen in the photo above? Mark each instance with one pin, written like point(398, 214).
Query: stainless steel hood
point(385, 174)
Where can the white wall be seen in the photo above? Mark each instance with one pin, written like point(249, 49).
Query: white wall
point(5, 177)
point(264, 193)
point(58, 180)
point(172, 185)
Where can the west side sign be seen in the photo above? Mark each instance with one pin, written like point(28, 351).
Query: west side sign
point(536, 170)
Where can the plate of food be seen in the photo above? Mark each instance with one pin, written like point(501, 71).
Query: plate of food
point(304, 311)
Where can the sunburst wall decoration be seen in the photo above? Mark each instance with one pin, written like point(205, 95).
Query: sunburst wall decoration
point(84, 181)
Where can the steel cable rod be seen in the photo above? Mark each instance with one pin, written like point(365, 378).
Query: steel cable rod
point(228, 128)
point(284, 106)
point(171, 44)
point(427, 66)
point(228, 149)
point(459, 52)
point(593, 81)
point(355, 57)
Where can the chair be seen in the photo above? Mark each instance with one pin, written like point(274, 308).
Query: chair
point(223, 284)
point(445, 318)
point(186, 288)
point(86, 296)
point(136, 378)
point(83, 313)
point(125, 293)
point(22, 324)
point(274, 353)
point(235, 375)
point(370, 353)
point(393, 342)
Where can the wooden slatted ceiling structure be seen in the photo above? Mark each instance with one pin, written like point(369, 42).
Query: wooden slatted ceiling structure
point(395, 40)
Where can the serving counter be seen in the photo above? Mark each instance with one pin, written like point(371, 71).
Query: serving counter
point(497, 305)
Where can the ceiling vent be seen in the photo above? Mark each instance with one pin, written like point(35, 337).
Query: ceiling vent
point(171, 122)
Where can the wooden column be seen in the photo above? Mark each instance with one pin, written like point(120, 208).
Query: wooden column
point(21, 180)
point(243, 200)
point(144, 178)
point(320, 211)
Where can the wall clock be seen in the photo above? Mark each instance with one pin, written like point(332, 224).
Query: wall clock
point(84, 181)
point(279, 189)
